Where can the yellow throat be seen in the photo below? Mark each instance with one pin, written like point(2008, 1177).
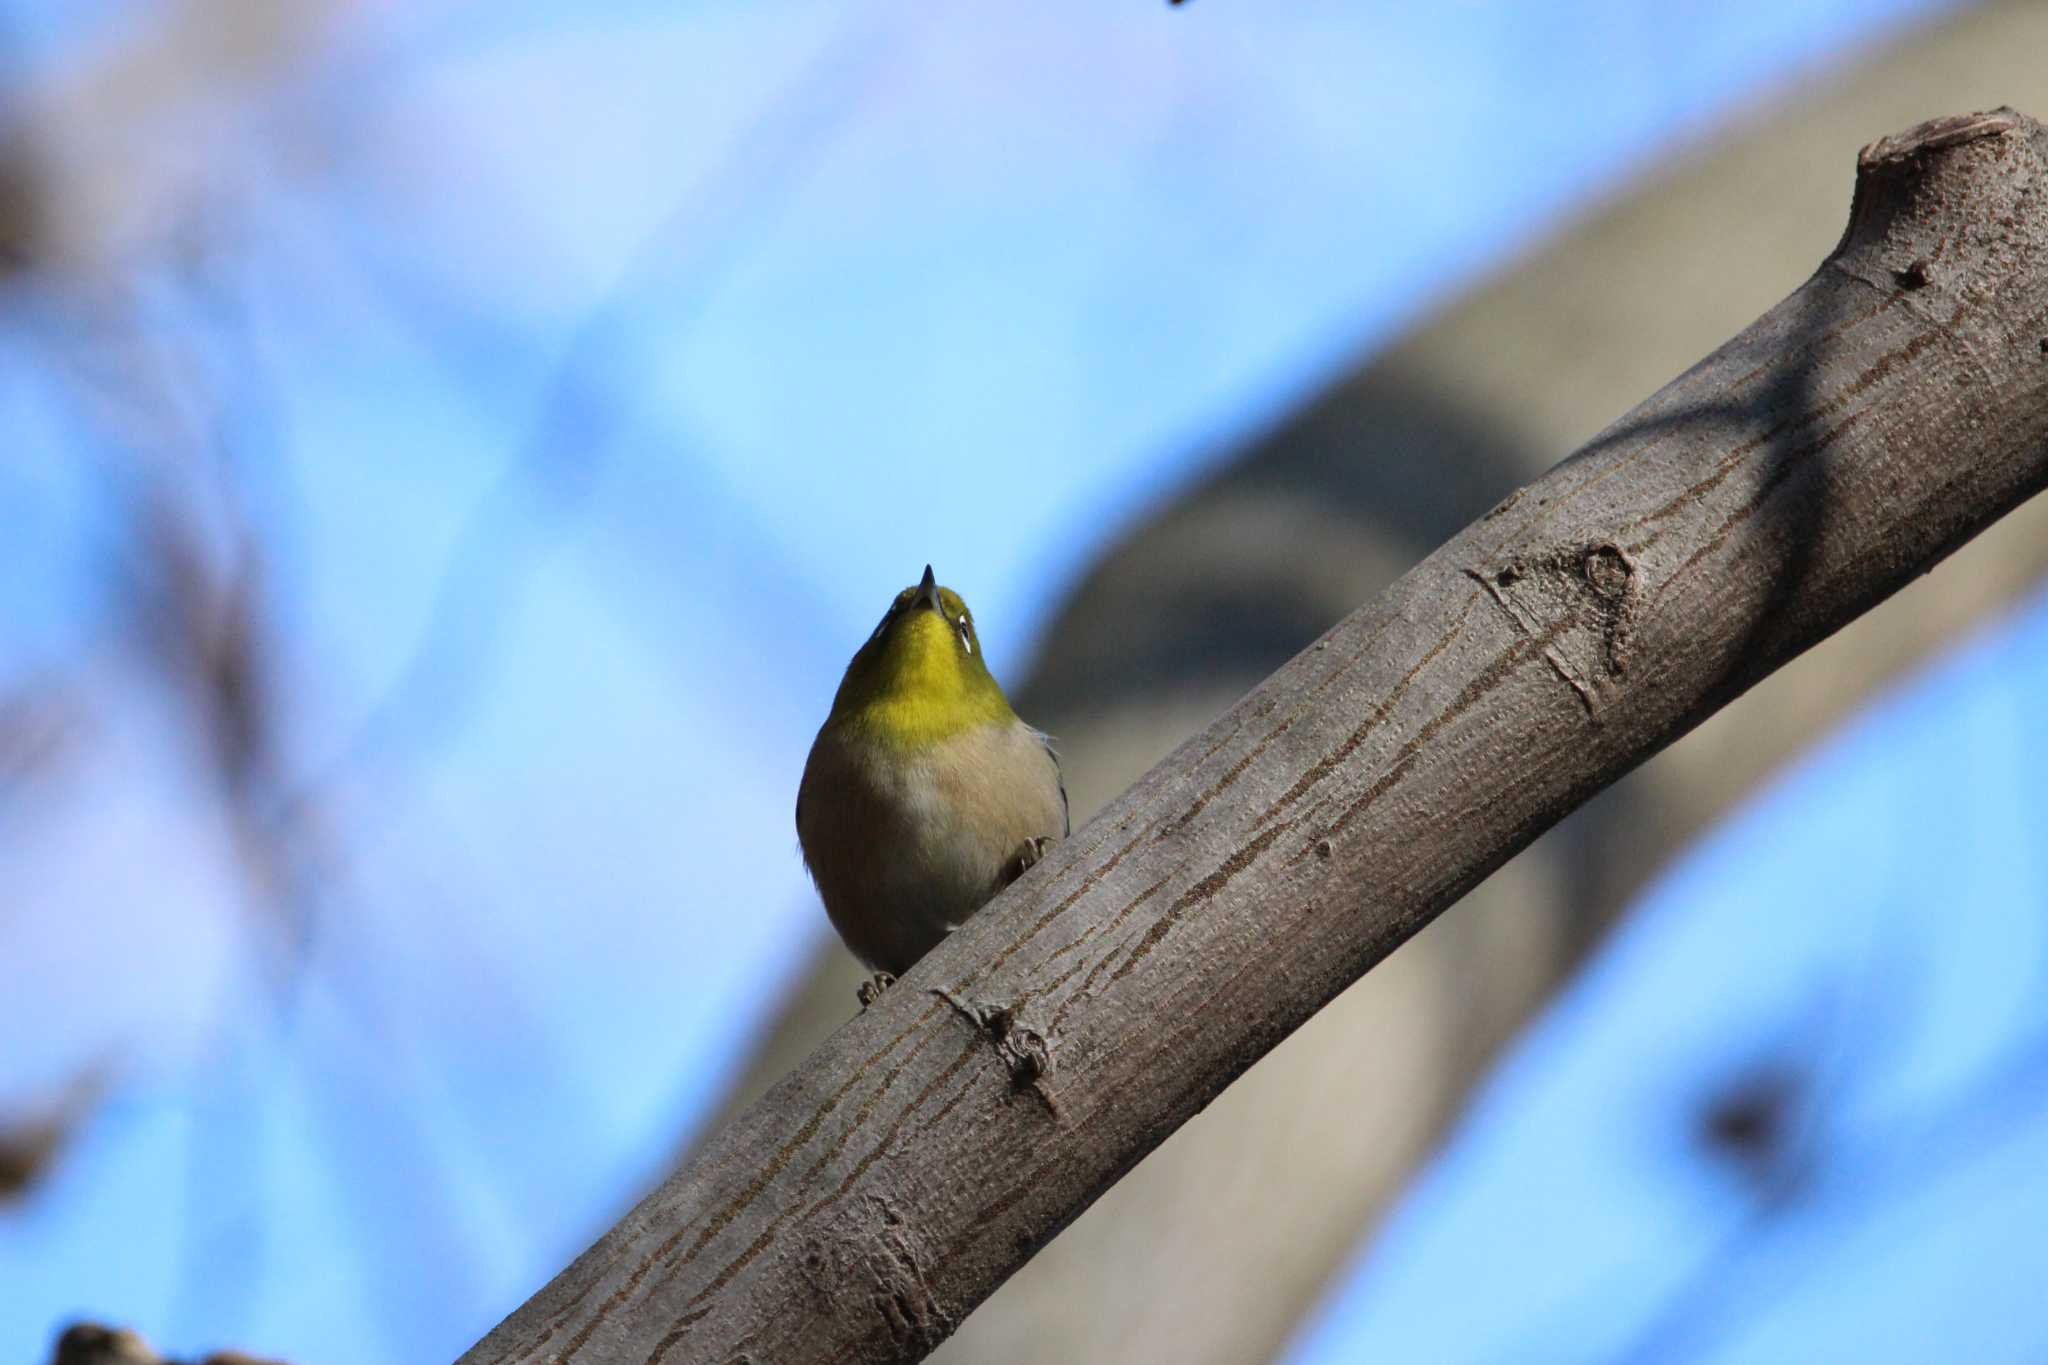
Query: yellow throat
point(920, 678)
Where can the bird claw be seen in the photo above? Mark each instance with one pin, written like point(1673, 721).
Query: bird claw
point(1027, 857)
point(871, 990)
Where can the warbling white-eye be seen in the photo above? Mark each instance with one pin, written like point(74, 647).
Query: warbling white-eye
point(924, 794)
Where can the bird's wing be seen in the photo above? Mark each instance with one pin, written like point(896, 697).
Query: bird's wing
point(1066, 815)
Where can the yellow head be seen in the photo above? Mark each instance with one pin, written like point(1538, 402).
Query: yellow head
point(920, 677)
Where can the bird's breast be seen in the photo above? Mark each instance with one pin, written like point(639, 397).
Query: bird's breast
point(905, 844)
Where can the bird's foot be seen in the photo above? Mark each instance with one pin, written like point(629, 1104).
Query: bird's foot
point(871, 990)
point(1026, 858)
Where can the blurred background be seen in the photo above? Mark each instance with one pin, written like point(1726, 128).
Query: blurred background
point(451, 451)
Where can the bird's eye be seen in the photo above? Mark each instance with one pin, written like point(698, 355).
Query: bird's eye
point(966, 640)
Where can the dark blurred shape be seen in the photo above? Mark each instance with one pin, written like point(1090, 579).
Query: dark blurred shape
point(26, 1149)
point(31, 1141)
point(198, 616)
point(1753, 1127)
point(24, 226)
point(91, 1343)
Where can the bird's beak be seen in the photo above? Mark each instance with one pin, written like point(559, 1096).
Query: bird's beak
point(928, 592)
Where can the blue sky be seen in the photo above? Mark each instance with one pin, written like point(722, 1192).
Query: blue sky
point(600, 371)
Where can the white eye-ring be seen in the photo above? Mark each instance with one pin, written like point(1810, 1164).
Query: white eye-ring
point(966, 641)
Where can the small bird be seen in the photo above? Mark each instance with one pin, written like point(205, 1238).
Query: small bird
point(924, 795)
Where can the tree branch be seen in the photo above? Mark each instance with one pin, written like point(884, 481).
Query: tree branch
point(1889, 409)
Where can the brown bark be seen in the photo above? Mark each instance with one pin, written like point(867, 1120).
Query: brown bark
point(1890, 408)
